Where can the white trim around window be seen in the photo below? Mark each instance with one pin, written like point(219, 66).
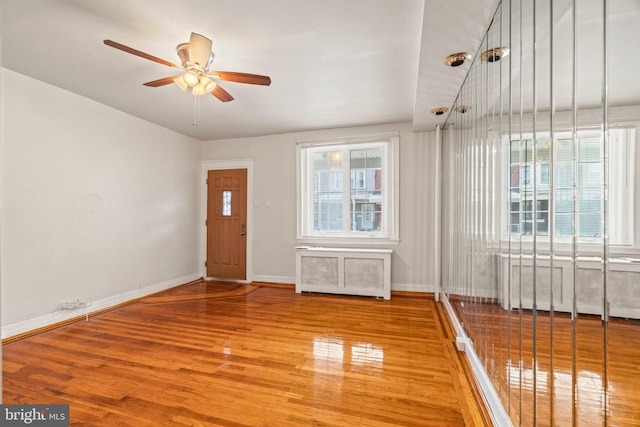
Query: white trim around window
point(385, 198)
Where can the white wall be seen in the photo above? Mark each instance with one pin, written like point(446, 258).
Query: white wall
point(274, 239)
point(96, 203)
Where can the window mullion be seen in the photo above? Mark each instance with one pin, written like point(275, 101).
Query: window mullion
point(309, 194)
point(346, 191)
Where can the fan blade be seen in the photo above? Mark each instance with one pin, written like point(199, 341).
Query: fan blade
point(161, 82)
point(138, 53)
point(199, 50)
point(253, 79)
point(222, 94)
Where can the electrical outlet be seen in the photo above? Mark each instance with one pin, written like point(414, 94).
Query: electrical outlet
point(74, 305)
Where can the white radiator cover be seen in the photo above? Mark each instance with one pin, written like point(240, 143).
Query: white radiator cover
point(344, 271)
point(623, 284)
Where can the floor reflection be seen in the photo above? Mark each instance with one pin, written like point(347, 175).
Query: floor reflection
point(331, 350)
point(328, 350)
point(547, 383)
point(367, 354)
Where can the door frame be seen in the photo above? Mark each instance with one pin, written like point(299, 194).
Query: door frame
point(205, 167)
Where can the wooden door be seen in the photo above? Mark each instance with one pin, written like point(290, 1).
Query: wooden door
point(227, 224)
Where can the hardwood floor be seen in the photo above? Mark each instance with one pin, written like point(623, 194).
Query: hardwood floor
point(250, 355)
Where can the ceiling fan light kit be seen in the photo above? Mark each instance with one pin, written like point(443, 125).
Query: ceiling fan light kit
point(191, 78)
point(208, 84)
point(196, 58)
point(179, 80)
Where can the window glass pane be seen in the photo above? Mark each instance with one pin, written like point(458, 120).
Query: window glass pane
point(542, 223)
point(515, 151)
point(563, 224)
point(373, 177)
point(542, 198)
point(589, 225)
point(327, 213)
point(226, 203)
point(327, 200)
point(589, 200)
point(564, 200)
point(542, 174)
point(366, 189)
point(526, 175)
point(357, 178)
point(542, 150)
point(365, 217)
point(564, 174)
point(589, 150)
point(358, 159)
point(514, 179)
point(589, 174)
point(564, 150)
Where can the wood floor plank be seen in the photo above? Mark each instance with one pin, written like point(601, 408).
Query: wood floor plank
point(220, 354)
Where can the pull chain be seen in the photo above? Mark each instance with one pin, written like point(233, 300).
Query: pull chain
point(196, 110)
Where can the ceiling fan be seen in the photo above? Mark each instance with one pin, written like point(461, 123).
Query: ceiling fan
point(196, 57)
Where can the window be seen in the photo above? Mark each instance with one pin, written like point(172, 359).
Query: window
point(347, 189)
point(576, 170)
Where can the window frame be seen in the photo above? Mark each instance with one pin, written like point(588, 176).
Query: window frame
point(390, 227)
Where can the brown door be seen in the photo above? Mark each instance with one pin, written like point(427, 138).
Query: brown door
point(227, 224)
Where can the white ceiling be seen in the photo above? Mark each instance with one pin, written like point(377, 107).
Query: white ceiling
point(333, 63)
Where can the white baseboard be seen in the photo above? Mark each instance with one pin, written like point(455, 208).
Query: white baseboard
point(409, 287)
point(93, 306)
point(491, 399)
point(412, 287)
point(480, 293)
point(275, 279)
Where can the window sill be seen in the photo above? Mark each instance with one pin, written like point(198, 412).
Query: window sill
point(348, 241)
point(566, 249)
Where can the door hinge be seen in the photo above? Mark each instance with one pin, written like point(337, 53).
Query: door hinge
point(205, 263)
point(207, 181)
point(206, 222)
